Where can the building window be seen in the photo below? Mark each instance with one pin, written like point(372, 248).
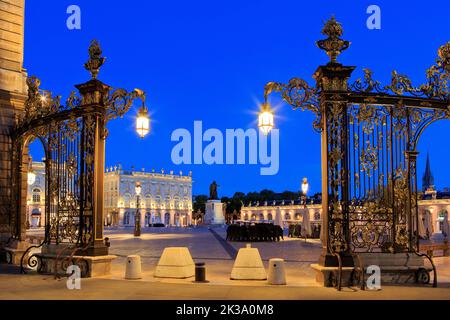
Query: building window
point(36, 195)
point(127, 199)
point(126, 218)
point(317, 216)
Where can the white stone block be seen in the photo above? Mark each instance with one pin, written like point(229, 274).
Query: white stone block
point(175, 262)
point(277, 272)
point(133, 269)
point(248, 265)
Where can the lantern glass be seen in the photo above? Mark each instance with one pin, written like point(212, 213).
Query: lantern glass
point(305, 186)
point(143, 122)
point(265, 122)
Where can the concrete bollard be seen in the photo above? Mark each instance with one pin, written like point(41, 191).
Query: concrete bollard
point(175, 262)
point(248, 265)
point(133, 269)
point(277, 273)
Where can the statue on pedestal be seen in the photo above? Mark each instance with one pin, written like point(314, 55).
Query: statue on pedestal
point(213, 191)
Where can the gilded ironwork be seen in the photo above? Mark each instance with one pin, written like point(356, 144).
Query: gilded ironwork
point(436, 87)
point(96, 60)
point(299, 95)
point(370, 134)
point(70, 135)
point(333, 45)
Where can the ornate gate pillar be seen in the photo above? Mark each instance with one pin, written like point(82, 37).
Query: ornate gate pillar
point(94, 93)
point(331, 83)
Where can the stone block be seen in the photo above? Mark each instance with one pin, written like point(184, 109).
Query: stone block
point(175, 262)
point(248, 265)
point(327, 276)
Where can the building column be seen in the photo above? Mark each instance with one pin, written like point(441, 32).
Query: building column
point(172, 218)
point(121, 216)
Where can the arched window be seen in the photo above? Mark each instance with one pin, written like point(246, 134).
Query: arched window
point(297, 216)
point(157, 218)
point(147, 219)
point(261, 217)
point(287, 216)
point(36, 195)
point(176, 201)
point(127, 200)
point(126, 218)
point(167, 219)
point(177, 220)
point(270, 217)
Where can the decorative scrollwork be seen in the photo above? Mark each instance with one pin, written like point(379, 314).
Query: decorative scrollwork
point(74, 101)
point(437, 86)
point(39, 104)
point(119, 102)
point(299, 95)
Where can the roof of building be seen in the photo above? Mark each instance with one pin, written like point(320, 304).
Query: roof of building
point(280, 203)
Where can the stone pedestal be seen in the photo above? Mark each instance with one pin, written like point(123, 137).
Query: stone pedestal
point(395, 268)
point(15, 251)
point(327, 276)
point(214, 213)
point(54, 259)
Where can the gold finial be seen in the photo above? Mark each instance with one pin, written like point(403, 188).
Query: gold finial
point(333, 45)
point(95, 59)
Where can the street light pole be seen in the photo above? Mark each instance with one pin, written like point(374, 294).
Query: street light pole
point(137, 216)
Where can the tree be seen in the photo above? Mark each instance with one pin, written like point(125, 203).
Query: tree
point(200, 203)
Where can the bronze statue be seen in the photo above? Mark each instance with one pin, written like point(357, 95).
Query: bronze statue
point(213, 191)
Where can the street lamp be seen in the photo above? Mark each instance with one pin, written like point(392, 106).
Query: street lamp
point(137, 216)
point(143, 122)
point(305, 186)
point(265, 119)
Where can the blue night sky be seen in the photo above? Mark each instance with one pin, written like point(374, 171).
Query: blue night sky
point(209, 61)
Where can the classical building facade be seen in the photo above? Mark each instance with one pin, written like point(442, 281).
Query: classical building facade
point(165, 198)
point(13, 94)
point(288, 211)
point(434, 209)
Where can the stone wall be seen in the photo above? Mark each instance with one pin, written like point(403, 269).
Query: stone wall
point(12, 94)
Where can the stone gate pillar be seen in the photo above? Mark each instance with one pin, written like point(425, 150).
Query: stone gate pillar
point(12, 98)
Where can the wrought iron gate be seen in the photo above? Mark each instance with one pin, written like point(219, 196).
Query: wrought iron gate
point(73, 136)
point(369, 138)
